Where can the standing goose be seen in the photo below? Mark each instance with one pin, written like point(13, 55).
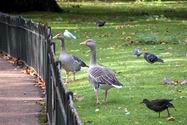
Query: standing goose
point(99, 76)
point(69, 62)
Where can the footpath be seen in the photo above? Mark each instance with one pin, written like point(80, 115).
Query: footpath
point(18, 96)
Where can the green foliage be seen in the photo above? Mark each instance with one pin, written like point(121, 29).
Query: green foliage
point(43, 116)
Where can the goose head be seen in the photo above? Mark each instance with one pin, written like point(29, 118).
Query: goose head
point(89, 43)
point(58, 36)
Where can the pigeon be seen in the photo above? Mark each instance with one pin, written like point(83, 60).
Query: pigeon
point(151, 58)
point(168, 81)
point(69, 35)
point(137, 52)
point(100, 23)
point(159, 105)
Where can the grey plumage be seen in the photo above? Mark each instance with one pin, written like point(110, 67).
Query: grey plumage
point(99, 76)
point(137, 52)
point(82, 64)
point(70, 63)
point(151, 58)
point(167, 81)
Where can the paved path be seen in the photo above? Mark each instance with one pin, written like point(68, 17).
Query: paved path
point(18, 96)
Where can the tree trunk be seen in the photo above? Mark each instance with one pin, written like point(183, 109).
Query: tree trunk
point(28, 5)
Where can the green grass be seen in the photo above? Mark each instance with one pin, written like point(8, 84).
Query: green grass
point(43, 116)
point(156, 27)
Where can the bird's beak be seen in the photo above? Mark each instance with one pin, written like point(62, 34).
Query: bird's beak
point(54, 37)
point(83, 43)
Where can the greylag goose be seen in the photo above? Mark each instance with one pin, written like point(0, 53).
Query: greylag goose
point(151, 58)
point(70, 63)
point(137, 52)
point(69, 35)
point(99, 76)
point(159, 105)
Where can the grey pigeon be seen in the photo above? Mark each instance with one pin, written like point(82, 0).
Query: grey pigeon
point(151, 58)
point(137, 52)
point(168, 81)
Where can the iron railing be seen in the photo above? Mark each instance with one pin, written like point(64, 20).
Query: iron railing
point(31, 42)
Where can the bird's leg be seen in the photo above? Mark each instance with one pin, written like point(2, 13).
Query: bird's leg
point(159, 115)
point(67, 75)
point(168, 112)
point(73, 76)
point(106, 94)
point(97, 96)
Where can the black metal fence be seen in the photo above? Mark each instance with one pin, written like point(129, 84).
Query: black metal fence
point(31, 42)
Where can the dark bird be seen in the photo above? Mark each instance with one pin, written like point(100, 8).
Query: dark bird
point(151, 58)
point(100, 23)
point(99, 76)
point(159, 105)
point(69, 63)
point(137, 52)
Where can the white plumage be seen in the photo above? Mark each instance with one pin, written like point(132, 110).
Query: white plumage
point(69, 35)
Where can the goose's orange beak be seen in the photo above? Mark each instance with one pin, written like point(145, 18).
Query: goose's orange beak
point(57, 35)
point(83, 43)
point(54, 37)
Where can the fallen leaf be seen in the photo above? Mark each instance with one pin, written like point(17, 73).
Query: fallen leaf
point(181, 97)
point(182, 82)
point(119, 107)
point(171, 118)
point(178, 90)
point(96, 110)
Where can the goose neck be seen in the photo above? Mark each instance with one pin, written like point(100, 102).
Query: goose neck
point(93, 57)
point(62, 45)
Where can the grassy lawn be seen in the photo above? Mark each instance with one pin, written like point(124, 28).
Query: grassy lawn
point(157, 27)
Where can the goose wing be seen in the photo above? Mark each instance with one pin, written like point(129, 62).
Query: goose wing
point(82, 64)
point(104, 75)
